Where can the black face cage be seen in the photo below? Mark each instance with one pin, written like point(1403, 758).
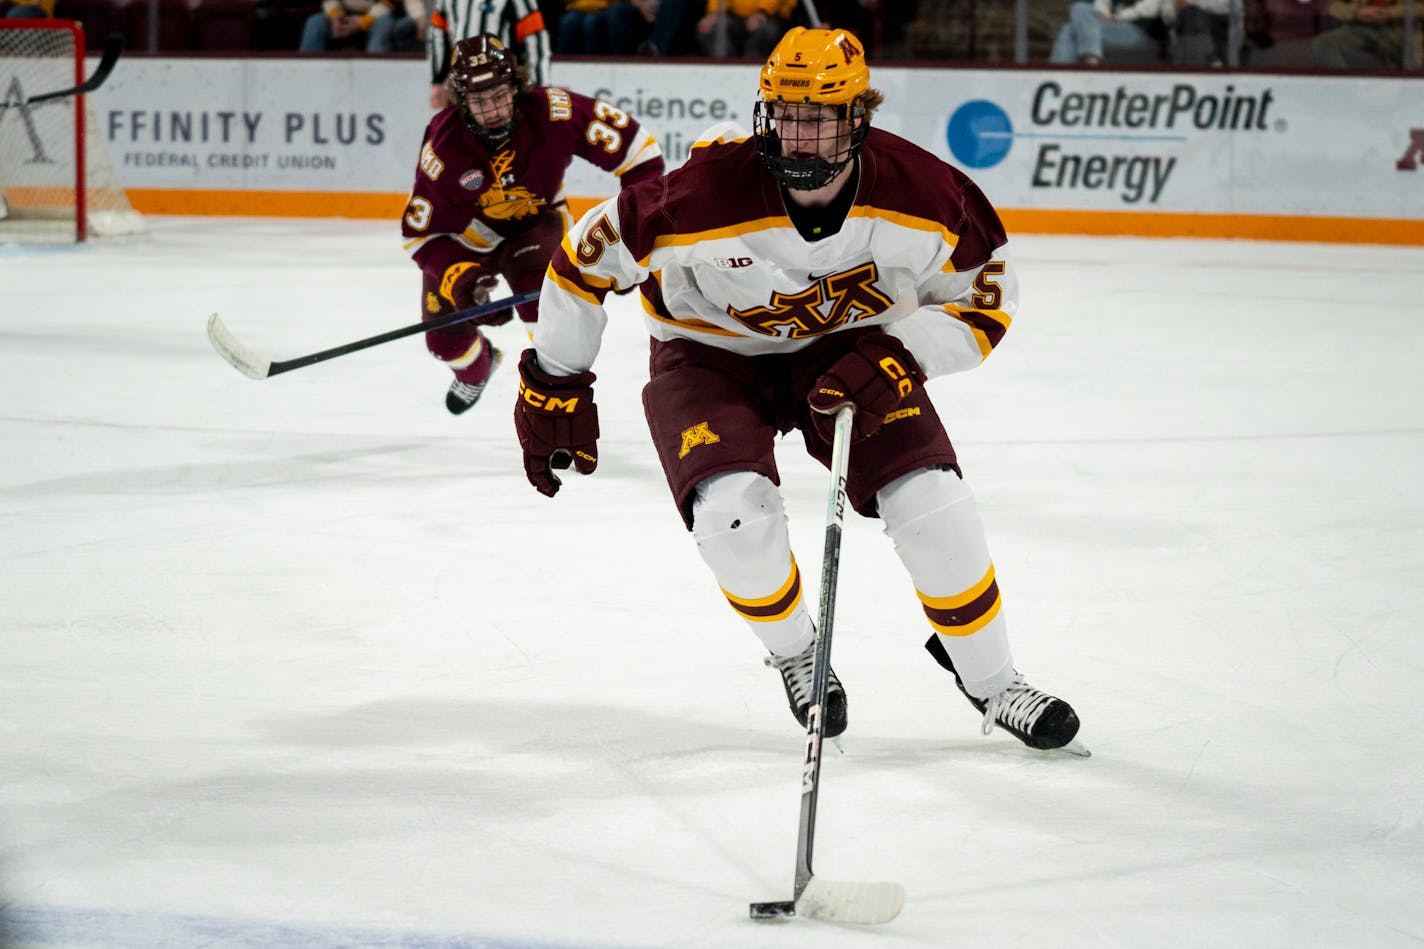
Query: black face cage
point(806, 174)
point(490, 137)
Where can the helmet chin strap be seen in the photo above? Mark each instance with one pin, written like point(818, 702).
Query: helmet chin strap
point(812, 171)
point(808, 174)
point(492, 138)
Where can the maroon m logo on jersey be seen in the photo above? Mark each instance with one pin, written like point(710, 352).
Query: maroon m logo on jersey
point(832, 301)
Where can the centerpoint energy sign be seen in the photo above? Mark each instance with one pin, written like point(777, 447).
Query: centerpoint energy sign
point(1318, 158)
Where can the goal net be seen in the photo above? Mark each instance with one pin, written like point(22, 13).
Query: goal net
point(56, 180)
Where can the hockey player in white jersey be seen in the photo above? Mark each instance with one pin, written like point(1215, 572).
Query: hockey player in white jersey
point(814, 263)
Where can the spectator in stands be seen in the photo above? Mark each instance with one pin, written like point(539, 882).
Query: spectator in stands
point(605, 27)
point(1202, 29)
point(366, 24)
point(1369, 34)
point(519, 24)
point(1115, 30)
point(411, 28)
point(744, 28)
point(674, 29)
point(29, 9)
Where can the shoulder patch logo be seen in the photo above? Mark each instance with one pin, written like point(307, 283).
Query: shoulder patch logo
point(699, 434)
point(472, 179)
point(731, 263)
point(430, 164)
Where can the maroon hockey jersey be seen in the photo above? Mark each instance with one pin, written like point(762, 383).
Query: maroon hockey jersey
point(469, 198)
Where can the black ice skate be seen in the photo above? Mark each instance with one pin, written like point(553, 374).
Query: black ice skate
point(796, 676)
point(1035, 718)
point(463, 396)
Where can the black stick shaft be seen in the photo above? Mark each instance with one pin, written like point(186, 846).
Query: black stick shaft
point(450, 319)
point(113, 46)
point(821, 662)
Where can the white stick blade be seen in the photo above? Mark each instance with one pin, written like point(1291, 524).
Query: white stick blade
point(868, 904)
point(239, 356)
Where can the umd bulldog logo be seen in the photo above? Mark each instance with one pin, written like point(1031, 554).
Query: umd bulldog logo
point(505, 201)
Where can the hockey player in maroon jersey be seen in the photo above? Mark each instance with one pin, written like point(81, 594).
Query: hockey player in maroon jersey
point(815, 263)
point(488, 200)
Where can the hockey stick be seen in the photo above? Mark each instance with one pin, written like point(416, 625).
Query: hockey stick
point(113, 46)
point(837, 901)
point(253, 366)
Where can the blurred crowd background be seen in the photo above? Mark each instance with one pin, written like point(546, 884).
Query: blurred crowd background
point(1304, 35)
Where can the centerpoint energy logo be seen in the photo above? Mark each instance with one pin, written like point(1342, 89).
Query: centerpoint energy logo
point(1124, 140)
point(980, 134)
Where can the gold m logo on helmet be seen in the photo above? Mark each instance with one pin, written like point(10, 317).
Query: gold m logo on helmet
point(848, 48)
point(699, 434)
point(830, 302)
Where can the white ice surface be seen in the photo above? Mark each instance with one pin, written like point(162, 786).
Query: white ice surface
point(305, 662)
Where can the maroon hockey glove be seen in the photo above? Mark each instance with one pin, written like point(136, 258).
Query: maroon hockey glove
point(469, 285)
point(874, 377)
point(557, 423)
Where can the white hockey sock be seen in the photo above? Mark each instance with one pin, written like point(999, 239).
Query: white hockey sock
point(931, 517)
point(740, 526)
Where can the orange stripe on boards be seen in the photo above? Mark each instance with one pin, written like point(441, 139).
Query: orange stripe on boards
point(578, 207)
point(1262, 227)
point(1257, 227)
point(269, 203)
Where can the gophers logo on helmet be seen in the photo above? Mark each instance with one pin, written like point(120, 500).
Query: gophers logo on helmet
point(822, 66)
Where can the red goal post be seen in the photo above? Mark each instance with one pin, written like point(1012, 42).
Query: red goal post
point(56, 180)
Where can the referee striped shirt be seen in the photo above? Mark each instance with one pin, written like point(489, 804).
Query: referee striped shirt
point(517, 22)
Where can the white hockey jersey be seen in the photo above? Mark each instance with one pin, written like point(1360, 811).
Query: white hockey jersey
point(921, 253)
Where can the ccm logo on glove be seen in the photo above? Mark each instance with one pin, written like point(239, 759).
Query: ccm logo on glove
point(875, 377)
point(895, 371)
point(546, 401)
point(557, 423)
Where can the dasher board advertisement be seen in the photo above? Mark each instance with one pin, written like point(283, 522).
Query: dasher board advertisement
point(1319, 156)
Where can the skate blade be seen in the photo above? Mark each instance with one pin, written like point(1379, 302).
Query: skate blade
point(1075, 748)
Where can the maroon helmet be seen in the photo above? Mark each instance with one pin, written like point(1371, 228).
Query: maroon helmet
point(481, 63)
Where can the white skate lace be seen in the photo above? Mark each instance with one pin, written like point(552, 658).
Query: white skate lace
point(1018, 706)
point(796, 670)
